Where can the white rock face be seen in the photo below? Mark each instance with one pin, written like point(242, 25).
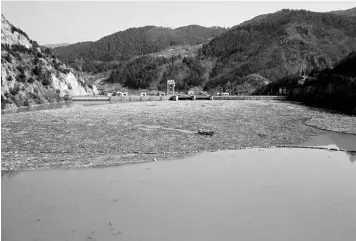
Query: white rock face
point(12, 37)
point(68, 84)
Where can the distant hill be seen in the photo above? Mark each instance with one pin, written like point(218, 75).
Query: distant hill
point(51, 46)
point(349, 12)
point(283, 43)
point(334, 88)
point(31, 74)
point(132, 42)
point(151, 71)
point(247, 56)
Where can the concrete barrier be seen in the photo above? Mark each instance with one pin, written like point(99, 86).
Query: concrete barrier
point(249, 97)
point(138, 98)
point(134, 98)
point(90, 98)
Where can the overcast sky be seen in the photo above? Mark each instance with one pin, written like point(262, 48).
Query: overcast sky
point(69, 22)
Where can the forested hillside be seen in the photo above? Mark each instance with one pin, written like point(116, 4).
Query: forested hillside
point(333, 88)
point(264, 49)
point(132, 42)
point(152, 71)
point(348, 12)
point(286, 42)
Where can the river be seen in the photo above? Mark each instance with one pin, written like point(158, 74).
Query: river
point(257, 194)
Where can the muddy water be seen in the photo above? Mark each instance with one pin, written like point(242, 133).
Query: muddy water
point(260, 194)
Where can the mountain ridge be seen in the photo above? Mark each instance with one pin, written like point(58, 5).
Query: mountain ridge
point(131, 42)
point(282, 43)
point(246, 56)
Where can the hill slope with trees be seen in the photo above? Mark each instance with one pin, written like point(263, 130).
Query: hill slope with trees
point(286, 42)
point(261, 50)
point(333, 88)
point(133, 42)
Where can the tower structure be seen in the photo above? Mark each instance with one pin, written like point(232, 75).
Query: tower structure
point(170, 87)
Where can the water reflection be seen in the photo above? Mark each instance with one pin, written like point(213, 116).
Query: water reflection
point(335, 140)
point(259, 194)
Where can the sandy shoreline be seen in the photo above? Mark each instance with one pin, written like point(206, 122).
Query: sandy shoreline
point(120, 133)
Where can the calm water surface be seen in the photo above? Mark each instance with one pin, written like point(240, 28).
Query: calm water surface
point(260, 194)
point(330, 139)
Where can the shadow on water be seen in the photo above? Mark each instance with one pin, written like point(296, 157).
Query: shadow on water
point(333, 140)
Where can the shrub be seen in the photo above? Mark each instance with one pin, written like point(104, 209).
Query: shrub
point(15, 90)
point(26, 103)
point(13, 29)
point(37, 70)
point(51, 95)
point(46, 78)
point(17, 55)
point(34, 44)
point(8, 58)
point(5, 46)
point(46, 81)
point(31, 80)
point(21, 78)
point(7, 95)
point(9, 78)
point(19, 48)
point(66, 71)
point(47, 51)
point(4, 102)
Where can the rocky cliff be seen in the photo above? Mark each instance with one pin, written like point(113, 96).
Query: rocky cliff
point(31, 74)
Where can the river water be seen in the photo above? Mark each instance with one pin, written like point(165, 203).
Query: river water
point(257, 194)
point(71, 104)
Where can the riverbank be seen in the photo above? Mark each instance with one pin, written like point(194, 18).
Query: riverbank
point(48, 105)
point(119, 133)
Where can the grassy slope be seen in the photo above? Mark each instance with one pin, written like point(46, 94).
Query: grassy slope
point(111, 134)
